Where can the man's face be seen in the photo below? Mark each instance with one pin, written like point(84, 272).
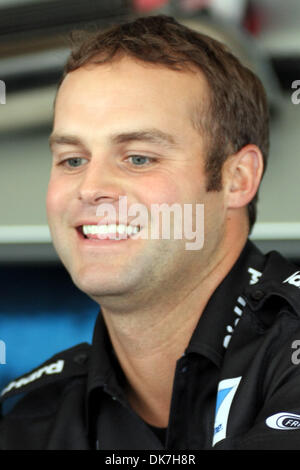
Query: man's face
point(125, 129)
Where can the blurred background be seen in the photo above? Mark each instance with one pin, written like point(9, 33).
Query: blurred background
point(41, 311)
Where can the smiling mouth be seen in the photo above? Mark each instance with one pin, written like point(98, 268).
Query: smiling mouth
point(108, 232)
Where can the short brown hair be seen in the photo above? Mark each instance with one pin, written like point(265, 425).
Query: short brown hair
point(237, 112)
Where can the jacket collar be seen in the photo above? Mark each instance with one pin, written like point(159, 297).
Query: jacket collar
point(216, 324)
point(280, 279)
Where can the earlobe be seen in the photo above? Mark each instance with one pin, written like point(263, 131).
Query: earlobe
point(243, 176)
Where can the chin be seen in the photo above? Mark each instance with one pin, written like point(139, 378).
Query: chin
point(96, 283)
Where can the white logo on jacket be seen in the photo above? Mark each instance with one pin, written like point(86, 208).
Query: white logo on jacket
point(255, 276)
point(230, 329)
point(284, 420)
point(54, 368)
point(294, 279)
point(226, 390)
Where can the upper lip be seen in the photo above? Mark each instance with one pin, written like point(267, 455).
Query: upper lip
point(106, 222)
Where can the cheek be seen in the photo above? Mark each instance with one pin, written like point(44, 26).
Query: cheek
point(159, 191)
point(55, 199)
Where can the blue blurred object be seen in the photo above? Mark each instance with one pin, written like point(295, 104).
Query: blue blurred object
point(41, 313)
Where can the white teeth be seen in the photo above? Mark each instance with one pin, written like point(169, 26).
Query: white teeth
point(108, 229)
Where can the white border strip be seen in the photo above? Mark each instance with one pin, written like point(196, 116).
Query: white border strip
point(276, 231)
point(25, 234)
point(41, 234)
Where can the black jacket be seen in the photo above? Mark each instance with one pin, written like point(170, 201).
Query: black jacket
point(236, 387)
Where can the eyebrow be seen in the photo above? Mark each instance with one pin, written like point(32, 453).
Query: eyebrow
point(154, 136)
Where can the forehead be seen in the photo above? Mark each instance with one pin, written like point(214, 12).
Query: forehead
point(128, 82)
point(103, 99)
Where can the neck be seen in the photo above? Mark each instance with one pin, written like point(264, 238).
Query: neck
point(148, 350)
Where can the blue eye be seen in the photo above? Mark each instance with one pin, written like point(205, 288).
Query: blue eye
point(140, 160)
point(73, 162)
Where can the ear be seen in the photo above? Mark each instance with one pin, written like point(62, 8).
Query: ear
point(242, 176)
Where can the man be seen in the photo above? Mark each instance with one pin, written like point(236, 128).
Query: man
point(193, 347)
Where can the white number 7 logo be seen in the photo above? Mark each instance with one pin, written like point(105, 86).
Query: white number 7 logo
point(226, 391)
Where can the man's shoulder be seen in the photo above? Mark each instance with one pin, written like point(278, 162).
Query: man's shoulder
point(269, 314)
point(52, 375)
point(269, 321)
point(43, 409)
point(279, 280)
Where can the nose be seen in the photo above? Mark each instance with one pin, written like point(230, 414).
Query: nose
point(99, 183)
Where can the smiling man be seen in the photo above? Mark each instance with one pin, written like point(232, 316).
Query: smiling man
point(192, 346)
